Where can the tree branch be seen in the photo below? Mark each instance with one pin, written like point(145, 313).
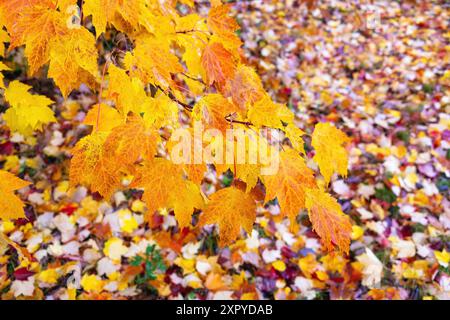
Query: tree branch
point(80, 5)
point(173, 98)
point(193, 78)
point(229, 118)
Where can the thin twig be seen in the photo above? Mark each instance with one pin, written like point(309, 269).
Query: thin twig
point(173, 98)
point(80, 5)
point(192, 31)
point(229, 118)
point(193, 78)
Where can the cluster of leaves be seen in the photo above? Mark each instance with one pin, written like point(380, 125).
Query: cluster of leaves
point(172, 63)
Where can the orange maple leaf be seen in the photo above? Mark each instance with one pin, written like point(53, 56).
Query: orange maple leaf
point(328, 220)
point(246, 87)
point(219, 20)
point(164, 187)
point(213, 109)
point(231, 209)
point(11, 207)
point(90, 167)
point(289, 185)
point(152, 61)
point(218, 63)
point(130, 142)
point(35, 26)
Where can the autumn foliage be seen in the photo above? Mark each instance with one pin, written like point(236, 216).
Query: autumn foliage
point(163, 69)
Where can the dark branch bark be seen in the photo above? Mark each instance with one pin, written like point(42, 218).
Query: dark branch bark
point(173, 98)
point(80, 5)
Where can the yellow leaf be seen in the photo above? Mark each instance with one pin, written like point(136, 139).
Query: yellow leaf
point(123, 15)
point(73, 60)
point(127, 221)
point(219, 20)
point(289, 185)
point(212, 109)
point(128, 93)
point(130, 142)
point(90, 167)
point(161, 111)
point(108, 118)
point(11, 207)
point(28, 112)
point(164, 187)
point(231, 209)
point(218, 63)
point(99, 10)
point(114, 249)
point(186, 201)
point(4, 37)
point(295, 134)
point(36, 26)
point(49, 276)
point(269, 114)
point(357, 232)
point(279, 265)
point(246, 87)
point(331, 155)
point(223, 26)
point(153, 62)
point(442, 257)
point(328, 220)
point(92, 283)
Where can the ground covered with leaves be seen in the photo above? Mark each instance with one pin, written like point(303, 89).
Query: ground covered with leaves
point(386, 84)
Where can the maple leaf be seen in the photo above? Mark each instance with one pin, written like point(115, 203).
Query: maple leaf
point(122, 14)
point(196, 172)
point(330, 155)
point(245, 164)
point(295, 134)
point(73, 60)
point(64, 4)
point(219, 20)
point(224, 27)
point(269, 114)
point(36, 25)
point(100, 10)
point(246, 87)
point(328, 220)
point(164, 187)
point(218, 63)
point(152, 62)
point(231, 209)
point(128, 142)
point(192, 56)
point(189, 23)
point(289, 185)
point(161, 111)
point(11, 9)
point(127, 92)
point(107, 118)
point(11, 207)
point(213, 109)
point(92, 168)
point(28, 112)
point(192, 35)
